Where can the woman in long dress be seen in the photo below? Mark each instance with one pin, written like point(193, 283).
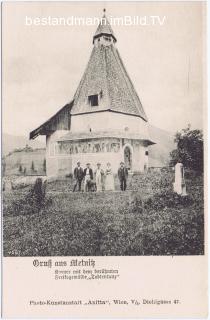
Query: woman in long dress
point(99, 178)
point(109, 179)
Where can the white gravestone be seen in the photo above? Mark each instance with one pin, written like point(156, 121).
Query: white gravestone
point(179, 184)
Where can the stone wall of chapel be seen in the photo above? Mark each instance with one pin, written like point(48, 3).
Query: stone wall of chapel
point(64, 163)
point(109, 121)
point(52, 165)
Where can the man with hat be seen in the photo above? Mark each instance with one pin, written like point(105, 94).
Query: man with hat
point(78, 175)
point(99, 176)
point(123, 176)
point(88, 174)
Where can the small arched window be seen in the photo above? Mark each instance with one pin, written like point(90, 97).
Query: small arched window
point(93, 100)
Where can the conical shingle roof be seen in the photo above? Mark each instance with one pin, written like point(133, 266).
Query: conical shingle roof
point(107, 77)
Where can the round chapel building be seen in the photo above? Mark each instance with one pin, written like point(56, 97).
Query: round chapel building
point(104, 122)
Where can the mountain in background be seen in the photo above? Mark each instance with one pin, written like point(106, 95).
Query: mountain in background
point(11, 142)
point(159, 152)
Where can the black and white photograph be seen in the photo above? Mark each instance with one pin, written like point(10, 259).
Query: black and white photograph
point(103, 130)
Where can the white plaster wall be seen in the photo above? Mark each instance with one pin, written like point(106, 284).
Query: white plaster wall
point(146, 159)
point(142, 158)
point(139, 160)
point(136, 158)
point(52, 164)
point(109, 121)
point(64, 164)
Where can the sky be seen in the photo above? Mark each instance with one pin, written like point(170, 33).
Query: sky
point(42, 65)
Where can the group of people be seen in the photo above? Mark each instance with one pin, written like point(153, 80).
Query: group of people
point(99, 180)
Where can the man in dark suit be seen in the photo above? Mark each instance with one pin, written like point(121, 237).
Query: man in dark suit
point(88, 174)
point(123, 176)
point(78, 175)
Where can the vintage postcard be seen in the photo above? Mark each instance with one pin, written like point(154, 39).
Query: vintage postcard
point(104, 147)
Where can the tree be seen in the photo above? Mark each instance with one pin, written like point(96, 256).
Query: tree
point(189, 149)
point(20, 168)
point(32, 166)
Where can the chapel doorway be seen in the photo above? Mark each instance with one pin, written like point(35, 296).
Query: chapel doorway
point(128, 158)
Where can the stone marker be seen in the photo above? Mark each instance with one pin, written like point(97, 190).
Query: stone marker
point(179, 184)
point(7, 185)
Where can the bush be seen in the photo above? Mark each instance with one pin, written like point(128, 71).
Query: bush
point(167, 199)
point(32, 201)
point(189, 149)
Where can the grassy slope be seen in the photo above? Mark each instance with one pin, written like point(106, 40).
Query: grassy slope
point(148, 221)
point(24, 158)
